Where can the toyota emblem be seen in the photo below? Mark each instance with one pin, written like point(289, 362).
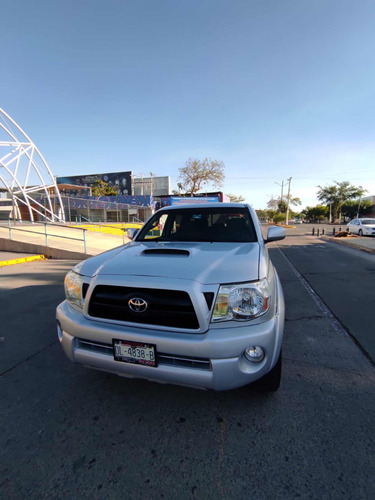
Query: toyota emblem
point(137, 305)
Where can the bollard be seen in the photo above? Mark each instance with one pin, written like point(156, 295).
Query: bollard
point(84, 240)
point(339, 229)
point(323, 231)
point(10, 229)
point(313, 231)
point(317, 233)
point(334, 231)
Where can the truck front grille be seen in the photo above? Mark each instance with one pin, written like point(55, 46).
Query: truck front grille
point(171, 308)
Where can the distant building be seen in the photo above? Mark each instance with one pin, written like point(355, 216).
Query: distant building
point(120, 181)
point(124, 182)
point(371, 199)
point(152, 186)
point(134, 199)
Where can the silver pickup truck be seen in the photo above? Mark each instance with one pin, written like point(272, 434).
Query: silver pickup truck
point(192, 300)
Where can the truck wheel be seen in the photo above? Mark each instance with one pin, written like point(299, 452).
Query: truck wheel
point(271, 381)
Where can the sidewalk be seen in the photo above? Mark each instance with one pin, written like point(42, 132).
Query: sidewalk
point(325, 232)
point(364, 243)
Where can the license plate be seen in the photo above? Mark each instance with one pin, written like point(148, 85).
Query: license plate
point(134, 352)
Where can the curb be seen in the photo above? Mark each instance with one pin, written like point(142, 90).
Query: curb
point(22, 260)
point(345, 242)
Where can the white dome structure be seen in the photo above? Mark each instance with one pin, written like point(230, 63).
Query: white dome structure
point(26, 177)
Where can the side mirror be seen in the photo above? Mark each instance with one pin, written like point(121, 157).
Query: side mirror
point(131, 233)
point(275, 233)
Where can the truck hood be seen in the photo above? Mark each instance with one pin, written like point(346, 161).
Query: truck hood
point(207, 263)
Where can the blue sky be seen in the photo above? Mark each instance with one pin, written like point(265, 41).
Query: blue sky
point(273, 88)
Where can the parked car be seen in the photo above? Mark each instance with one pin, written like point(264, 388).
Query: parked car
point(362, 227)
point(193, 300)
point(297, 221)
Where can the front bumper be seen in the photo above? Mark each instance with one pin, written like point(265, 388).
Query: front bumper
point(213, 360)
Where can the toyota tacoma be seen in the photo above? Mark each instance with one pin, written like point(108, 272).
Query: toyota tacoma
point(193, 299)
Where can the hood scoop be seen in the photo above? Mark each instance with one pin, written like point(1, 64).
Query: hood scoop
point(166, 251)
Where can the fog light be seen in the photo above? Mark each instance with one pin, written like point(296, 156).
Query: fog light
point(255, 354)
point(59, 331)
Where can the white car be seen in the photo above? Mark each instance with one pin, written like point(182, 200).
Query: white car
point(362, 227)
point(193, 300)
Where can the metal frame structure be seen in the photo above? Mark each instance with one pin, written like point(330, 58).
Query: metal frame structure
point(26, 176)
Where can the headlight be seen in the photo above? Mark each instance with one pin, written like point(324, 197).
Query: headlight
point(73, 288)
point(241, 302)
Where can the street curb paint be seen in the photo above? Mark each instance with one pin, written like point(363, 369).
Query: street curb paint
point(22, 260)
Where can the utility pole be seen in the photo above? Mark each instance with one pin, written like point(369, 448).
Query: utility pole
point(282, 189)
point(359, 206)
point(287, 209)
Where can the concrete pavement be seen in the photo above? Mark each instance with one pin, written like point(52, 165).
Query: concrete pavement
point(364, 243)
point(61, 242)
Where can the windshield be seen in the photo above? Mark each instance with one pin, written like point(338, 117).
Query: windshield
point(366, 222)
point(203, 224)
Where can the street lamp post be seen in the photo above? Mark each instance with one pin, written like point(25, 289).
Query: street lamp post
point(287, 209)
point(282, 189)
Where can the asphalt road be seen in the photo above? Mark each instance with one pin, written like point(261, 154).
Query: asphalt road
point(343, 278)
point(70, 432)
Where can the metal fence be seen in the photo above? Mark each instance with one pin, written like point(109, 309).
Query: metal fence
point(46, 233)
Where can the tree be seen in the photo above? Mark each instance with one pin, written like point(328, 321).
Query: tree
point(337, 194)
point(281, 205)
point(277, 218)
point(198, 173)
point(262, 214)
point(271, 214)
point(236, 198)
point(351, 208)
point(101, 188)
point(316, 214)
point(273, 203)
point(294, 200)
point(302, 215)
